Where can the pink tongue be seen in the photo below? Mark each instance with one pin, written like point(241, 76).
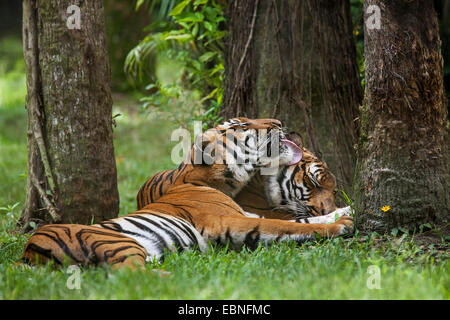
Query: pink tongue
point(295, 150)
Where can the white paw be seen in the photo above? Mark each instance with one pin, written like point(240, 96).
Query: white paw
point(336, 214)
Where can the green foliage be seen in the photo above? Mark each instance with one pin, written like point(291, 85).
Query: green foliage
point(190, 35)
point(332, 269)
point(123, 30)
point(11, 244)
point(13, 148)
point(142, 148)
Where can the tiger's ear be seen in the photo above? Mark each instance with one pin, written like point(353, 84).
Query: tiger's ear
point(295, 138)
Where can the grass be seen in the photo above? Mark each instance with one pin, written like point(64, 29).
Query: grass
point(333, 269)
point(12, 73)
point(329, 269)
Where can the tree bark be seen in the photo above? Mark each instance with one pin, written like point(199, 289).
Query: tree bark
point(296, 61)
point(72, 174)
point(402, 150)
point(340, 83)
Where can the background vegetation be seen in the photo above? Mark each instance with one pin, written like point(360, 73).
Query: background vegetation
point(173, 57)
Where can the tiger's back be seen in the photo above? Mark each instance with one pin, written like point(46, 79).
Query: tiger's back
point(157, 185)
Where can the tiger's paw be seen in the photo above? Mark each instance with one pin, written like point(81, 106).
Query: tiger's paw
point(340, 212)
point(343, 226)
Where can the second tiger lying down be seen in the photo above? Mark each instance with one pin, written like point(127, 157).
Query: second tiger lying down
point(303, 192)
point(187, 215)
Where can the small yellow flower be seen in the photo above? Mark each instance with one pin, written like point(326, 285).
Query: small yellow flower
point(356, 32)
point(386, 208)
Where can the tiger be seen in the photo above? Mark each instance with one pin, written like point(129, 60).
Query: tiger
point(303, 192)
point(196, 210)
point(229, 178)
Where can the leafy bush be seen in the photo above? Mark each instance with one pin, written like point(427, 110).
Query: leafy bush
point(190, 35)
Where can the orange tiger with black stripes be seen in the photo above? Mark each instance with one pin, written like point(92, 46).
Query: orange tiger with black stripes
point(303, 192)
point(197, 207)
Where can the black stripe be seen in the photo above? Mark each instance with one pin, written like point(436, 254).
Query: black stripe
point(230, 184)
point(170, 176)
point(81, 243)
point(228, 236)
point(280, 182)
point(59, 242)
point(144, 191)
point(176, 238)
point(147, 229)
point(162, 183)
point(186, 215)
point(125, 257)
point(121, 230)
point(44, 252)
point(111, 253)
point(155, 184)
point(114, 226)
point(97, 244)
point(183, 228)
point(252, 238)
point(181, 168)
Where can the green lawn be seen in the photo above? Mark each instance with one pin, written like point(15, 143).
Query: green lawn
point(335, 269)
point(330, 269)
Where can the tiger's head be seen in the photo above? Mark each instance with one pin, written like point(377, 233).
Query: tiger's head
point(228, 155)
point(305, 189)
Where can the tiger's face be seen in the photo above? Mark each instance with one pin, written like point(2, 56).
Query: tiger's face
point(231, 153)
point(247, 142)
point(306, 189)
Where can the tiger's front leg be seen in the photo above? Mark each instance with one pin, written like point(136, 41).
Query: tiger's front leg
point(238, 231)
point(329, 218)
point(326, 219)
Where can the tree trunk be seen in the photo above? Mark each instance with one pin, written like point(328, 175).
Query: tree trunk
point(71, 166)
point(402, 152)
point(445, 37)
point(340, 83)
point(279, 65)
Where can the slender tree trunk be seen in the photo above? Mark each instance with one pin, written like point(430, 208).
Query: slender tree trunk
point(71, 166)
point(295, 61)
point(402, 150)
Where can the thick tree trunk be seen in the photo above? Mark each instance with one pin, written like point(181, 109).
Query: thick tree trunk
point(445, 37)
point(268, 64)
point(340, 83)
point(402, 152)
point(71, 165)
point(295, 61)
